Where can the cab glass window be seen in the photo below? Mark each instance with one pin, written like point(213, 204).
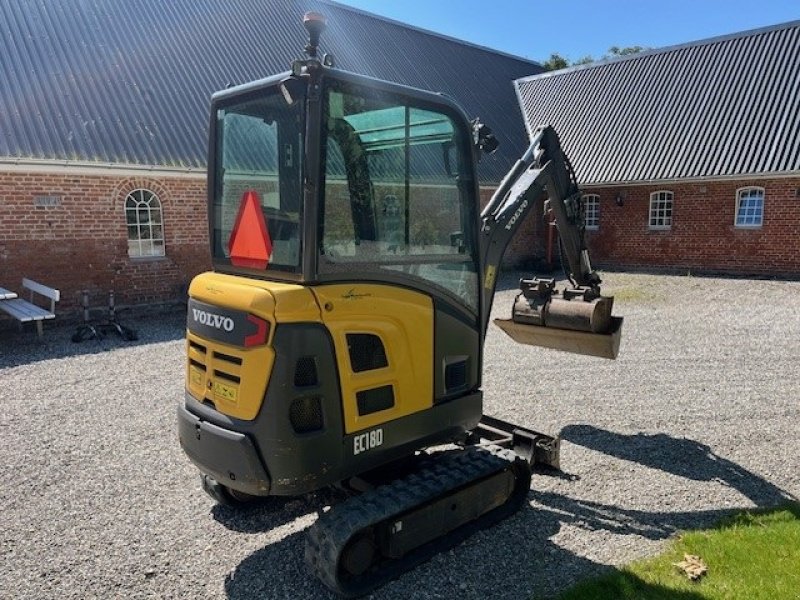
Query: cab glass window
point(397, 193)
point(259, 150)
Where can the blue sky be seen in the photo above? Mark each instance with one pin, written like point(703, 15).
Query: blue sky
point(575, 28)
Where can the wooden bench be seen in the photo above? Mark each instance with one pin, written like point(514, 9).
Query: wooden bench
point(24, 310)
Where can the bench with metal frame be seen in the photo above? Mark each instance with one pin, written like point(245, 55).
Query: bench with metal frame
point(26, 310)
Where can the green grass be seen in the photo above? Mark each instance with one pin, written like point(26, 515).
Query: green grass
point(751, 556)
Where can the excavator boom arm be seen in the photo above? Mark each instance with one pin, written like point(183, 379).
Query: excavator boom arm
point(543, 168)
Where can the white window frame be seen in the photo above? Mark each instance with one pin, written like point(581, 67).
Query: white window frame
point(144, 224)
point(591, 211)
point(750, 192)
point(660, 217)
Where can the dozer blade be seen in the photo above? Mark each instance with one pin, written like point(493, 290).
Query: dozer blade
point(603, 345)
point(539, 449)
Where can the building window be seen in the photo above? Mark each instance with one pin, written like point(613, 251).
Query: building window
point(591, 210)
point(661, 210)
point(750, 207)
point(145, 226)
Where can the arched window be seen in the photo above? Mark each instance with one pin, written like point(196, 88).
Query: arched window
point(591, 210)
point(661, 210)
point(749, 207)
point(145, 225)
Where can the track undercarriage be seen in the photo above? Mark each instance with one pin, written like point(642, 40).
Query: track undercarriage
point(392, 527)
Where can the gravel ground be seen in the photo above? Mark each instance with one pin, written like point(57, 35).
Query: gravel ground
point(698, 416)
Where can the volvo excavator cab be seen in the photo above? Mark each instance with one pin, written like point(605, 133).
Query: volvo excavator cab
point(377, 186)
point(340, 334)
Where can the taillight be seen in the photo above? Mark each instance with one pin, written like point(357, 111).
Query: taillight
point(260, 336)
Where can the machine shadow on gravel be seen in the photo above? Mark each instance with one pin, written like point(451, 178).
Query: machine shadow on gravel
point(278, 570)
point(679, 456)
point(265, 514)
point(275, 571)
point(540, 569)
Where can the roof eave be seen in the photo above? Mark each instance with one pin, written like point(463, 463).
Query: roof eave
point(696, 179)
point(97, 168)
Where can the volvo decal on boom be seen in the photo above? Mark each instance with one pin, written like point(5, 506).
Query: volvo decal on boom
point(339, 339)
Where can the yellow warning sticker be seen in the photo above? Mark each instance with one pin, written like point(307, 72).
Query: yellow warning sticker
point(195, 377)
point(491, 272)
point(224, 392)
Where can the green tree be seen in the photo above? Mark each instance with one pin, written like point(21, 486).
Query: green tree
point(584, 60)
point(556, 61)
point(627, 51)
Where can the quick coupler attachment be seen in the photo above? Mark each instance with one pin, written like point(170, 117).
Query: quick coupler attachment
point(576, 320)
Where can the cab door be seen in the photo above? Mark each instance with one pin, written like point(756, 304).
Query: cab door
point(396, 249)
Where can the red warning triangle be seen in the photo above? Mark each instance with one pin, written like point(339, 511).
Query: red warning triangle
point(249, 244)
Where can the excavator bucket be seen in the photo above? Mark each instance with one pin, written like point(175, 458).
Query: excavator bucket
point(577, 320)
point(603, 345)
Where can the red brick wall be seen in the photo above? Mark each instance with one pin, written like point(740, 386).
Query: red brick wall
point(81, 244)
point(703, 236)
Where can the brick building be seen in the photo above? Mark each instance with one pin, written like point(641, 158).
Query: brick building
point(689, 156)
point(103, 123)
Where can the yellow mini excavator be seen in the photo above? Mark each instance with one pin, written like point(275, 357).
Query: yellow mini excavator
point(338, 341)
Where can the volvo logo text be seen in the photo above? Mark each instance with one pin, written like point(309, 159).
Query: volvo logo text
point(517, 215)
point(212, 320)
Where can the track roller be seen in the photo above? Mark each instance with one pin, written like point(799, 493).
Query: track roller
point(373, 538)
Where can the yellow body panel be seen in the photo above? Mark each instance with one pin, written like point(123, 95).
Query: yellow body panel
point(287, 303)
point(403, 320)
point(232, 377)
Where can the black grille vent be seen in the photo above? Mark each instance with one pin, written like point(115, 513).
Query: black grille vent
point(366, 352)
point(455, 375)
point(198, 347)
point(371, 401)
point(228, 358)
point(305, 414)
point(305, 372)
point(227, 376)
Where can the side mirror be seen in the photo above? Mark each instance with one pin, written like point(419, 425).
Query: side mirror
point(292, 89)
point(483, 137)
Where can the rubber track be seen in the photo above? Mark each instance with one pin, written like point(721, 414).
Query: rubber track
point(327, 538)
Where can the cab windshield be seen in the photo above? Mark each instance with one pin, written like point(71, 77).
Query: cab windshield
point(257, 204)
point(397, 193)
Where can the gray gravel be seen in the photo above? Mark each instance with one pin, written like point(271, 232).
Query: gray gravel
point(697, 417)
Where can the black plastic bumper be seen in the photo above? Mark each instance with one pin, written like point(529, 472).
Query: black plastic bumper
point(228, 456)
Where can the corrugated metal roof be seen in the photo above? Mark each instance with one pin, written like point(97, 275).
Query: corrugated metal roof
point(129, 81)
point(719, 107)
